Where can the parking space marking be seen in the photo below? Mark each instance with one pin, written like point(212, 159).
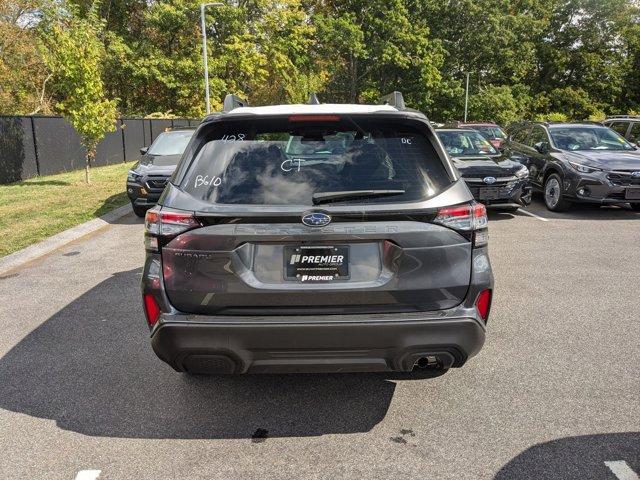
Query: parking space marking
point(88, 474)
point(621, 470)
point(542, 219)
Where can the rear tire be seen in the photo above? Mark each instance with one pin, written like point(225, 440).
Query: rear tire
point(552, 194)
point(139, 211)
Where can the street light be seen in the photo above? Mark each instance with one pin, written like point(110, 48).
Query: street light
point(466, 99)
point(204, 51)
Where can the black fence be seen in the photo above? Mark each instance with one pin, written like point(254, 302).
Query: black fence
point(37, 145)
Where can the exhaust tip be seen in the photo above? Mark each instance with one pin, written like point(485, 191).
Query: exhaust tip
point(428, 362)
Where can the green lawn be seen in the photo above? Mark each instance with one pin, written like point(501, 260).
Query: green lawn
point(42, 206)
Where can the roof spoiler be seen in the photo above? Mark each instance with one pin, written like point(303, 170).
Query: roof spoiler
point(233, 101)
point(395, 99)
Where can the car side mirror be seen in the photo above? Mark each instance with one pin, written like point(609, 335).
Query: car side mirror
point(542, 147)
point(143, 150)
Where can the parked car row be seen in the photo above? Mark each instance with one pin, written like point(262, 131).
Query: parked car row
point(569, 163)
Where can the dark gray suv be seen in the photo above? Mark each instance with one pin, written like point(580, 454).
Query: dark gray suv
point(305, 238)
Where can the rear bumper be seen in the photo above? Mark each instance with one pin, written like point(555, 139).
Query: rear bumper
point(362, 343)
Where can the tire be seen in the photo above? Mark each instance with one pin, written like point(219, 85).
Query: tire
point(552, 194)
point(139, 211)
point(635, 206)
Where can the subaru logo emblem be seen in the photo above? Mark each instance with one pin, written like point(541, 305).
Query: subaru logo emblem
point(316, 219)
point(635, 174)
point(489, 180)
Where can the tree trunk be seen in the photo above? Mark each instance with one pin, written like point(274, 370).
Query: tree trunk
point(91, 153)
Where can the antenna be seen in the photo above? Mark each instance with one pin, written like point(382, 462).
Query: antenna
point(233, 101)
point(313, 99)
point(395, 99)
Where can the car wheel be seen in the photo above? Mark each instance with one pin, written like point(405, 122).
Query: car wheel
point(635, 206)
point(553, 194)
point(139, 211)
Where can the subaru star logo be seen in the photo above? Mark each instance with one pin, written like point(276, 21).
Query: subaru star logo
point(635, 174)
point(489, 180)
point(316, 219)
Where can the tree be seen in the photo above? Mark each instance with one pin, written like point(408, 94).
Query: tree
point(23, 76)
point(74, 53)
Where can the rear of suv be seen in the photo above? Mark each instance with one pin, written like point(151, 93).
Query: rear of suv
point(306, 238)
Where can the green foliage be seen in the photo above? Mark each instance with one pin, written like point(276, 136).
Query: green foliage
point(551, 117)
point(73, 51)
point(526, 57)
point(494, 103)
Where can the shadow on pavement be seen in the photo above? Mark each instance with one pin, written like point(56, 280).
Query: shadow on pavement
point(91, 369)
point(575, 458)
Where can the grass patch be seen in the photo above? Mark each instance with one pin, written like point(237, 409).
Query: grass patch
point(40, 207)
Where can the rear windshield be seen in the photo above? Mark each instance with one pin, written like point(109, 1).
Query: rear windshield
point(171, 143)
point(283, 162)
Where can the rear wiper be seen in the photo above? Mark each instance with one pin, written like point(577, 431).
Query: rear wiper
point(326, 197)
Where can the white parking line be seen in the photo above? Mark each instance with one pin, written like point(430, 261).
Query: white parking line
point(88, 474)
point(542, 219)
point(621, 470)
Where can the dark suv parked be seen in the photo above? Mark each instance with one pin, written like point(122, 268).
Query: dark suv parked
point(303, 238)
point(492, 178)
point(626, 125)
point(577, 162)
point(147, 178)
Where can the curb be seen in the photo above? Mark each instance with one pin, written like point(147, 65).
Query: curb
point(54, 242)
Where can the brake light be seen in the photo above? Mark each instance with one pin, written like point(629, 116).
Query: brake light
point(466, 218)
point(483, 304)
point(151, 309)
point(169, 223)
point(314, 118)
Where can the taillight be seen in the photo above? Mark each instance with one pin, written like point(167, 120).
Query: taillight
point(166, 224)
point(483, 304)
point(151, 309)
point(467, 218)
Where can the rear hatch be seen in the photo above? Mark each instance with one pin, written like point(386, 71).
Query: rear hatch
point(328, 214)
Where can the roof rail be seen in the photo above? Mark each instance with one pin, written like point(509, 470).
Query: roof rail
point(395, 99)
point(233, 101)
point(622, 116)
point(313, 99)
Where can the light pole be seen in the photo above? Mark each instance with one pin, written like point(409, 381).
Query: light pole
point(466, 99)
point(204, 51)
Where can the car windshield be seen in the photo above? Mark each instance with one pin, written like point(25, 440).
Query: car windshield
point(588, 138)
point(465, 143)
point(170, 143)
point(491, 131)
point(282, 162)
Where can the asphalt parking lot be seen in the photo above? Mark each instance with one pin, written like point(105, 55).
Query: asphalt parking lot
point(554, 394)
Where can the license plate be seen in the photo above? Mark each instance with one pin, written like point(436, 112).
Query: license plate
point(632, 194)
point(312, 264)
point(489, 193)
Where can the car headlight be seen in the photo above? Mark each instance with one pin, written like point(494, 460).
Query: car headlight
point(133, 176)
point(583, 168)
point(523, 172)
